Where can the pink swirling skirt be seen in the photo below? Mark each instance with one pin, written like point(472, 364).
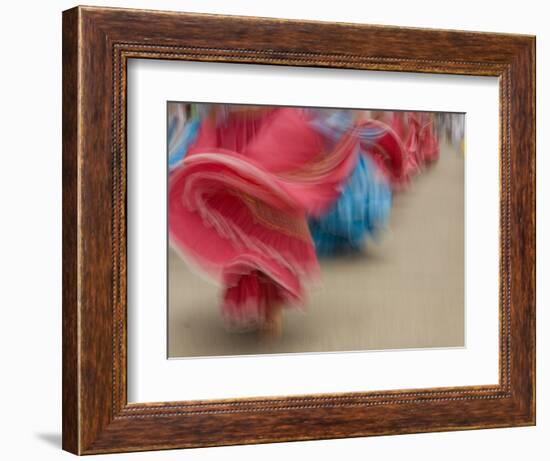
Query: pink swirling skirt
point(238, 204)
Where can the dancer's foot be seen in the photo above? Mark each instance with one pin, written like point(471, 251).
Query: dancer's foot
point(273, 327)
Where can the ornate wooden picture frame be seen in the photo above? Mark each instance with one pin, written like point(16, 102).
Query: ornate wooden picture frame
point(97, 44)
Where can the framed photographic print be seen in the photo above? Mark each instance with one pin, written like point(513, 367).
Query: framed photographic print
point(282, 230)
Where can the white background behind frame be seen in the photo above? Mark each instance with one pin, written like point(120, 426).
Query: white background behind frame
point(152, 377)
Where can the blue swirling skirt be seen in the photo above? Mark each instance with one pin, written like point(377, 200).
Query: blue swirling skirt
point(362, 208)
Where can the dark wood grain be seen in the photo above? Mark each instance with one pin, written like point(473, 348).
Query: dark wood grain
point(97, 43)
point(70, 384)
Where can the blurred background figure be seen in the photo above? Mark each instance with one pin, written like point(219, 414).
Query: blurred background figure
point(451, 127)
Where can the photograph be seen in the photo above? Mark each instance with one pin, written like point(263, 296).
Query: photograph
point(275, 231)
point(312, 229)
point(280, 229)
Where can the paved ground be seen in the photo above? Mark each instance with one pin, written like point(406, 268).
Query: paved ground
point(405, 291)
